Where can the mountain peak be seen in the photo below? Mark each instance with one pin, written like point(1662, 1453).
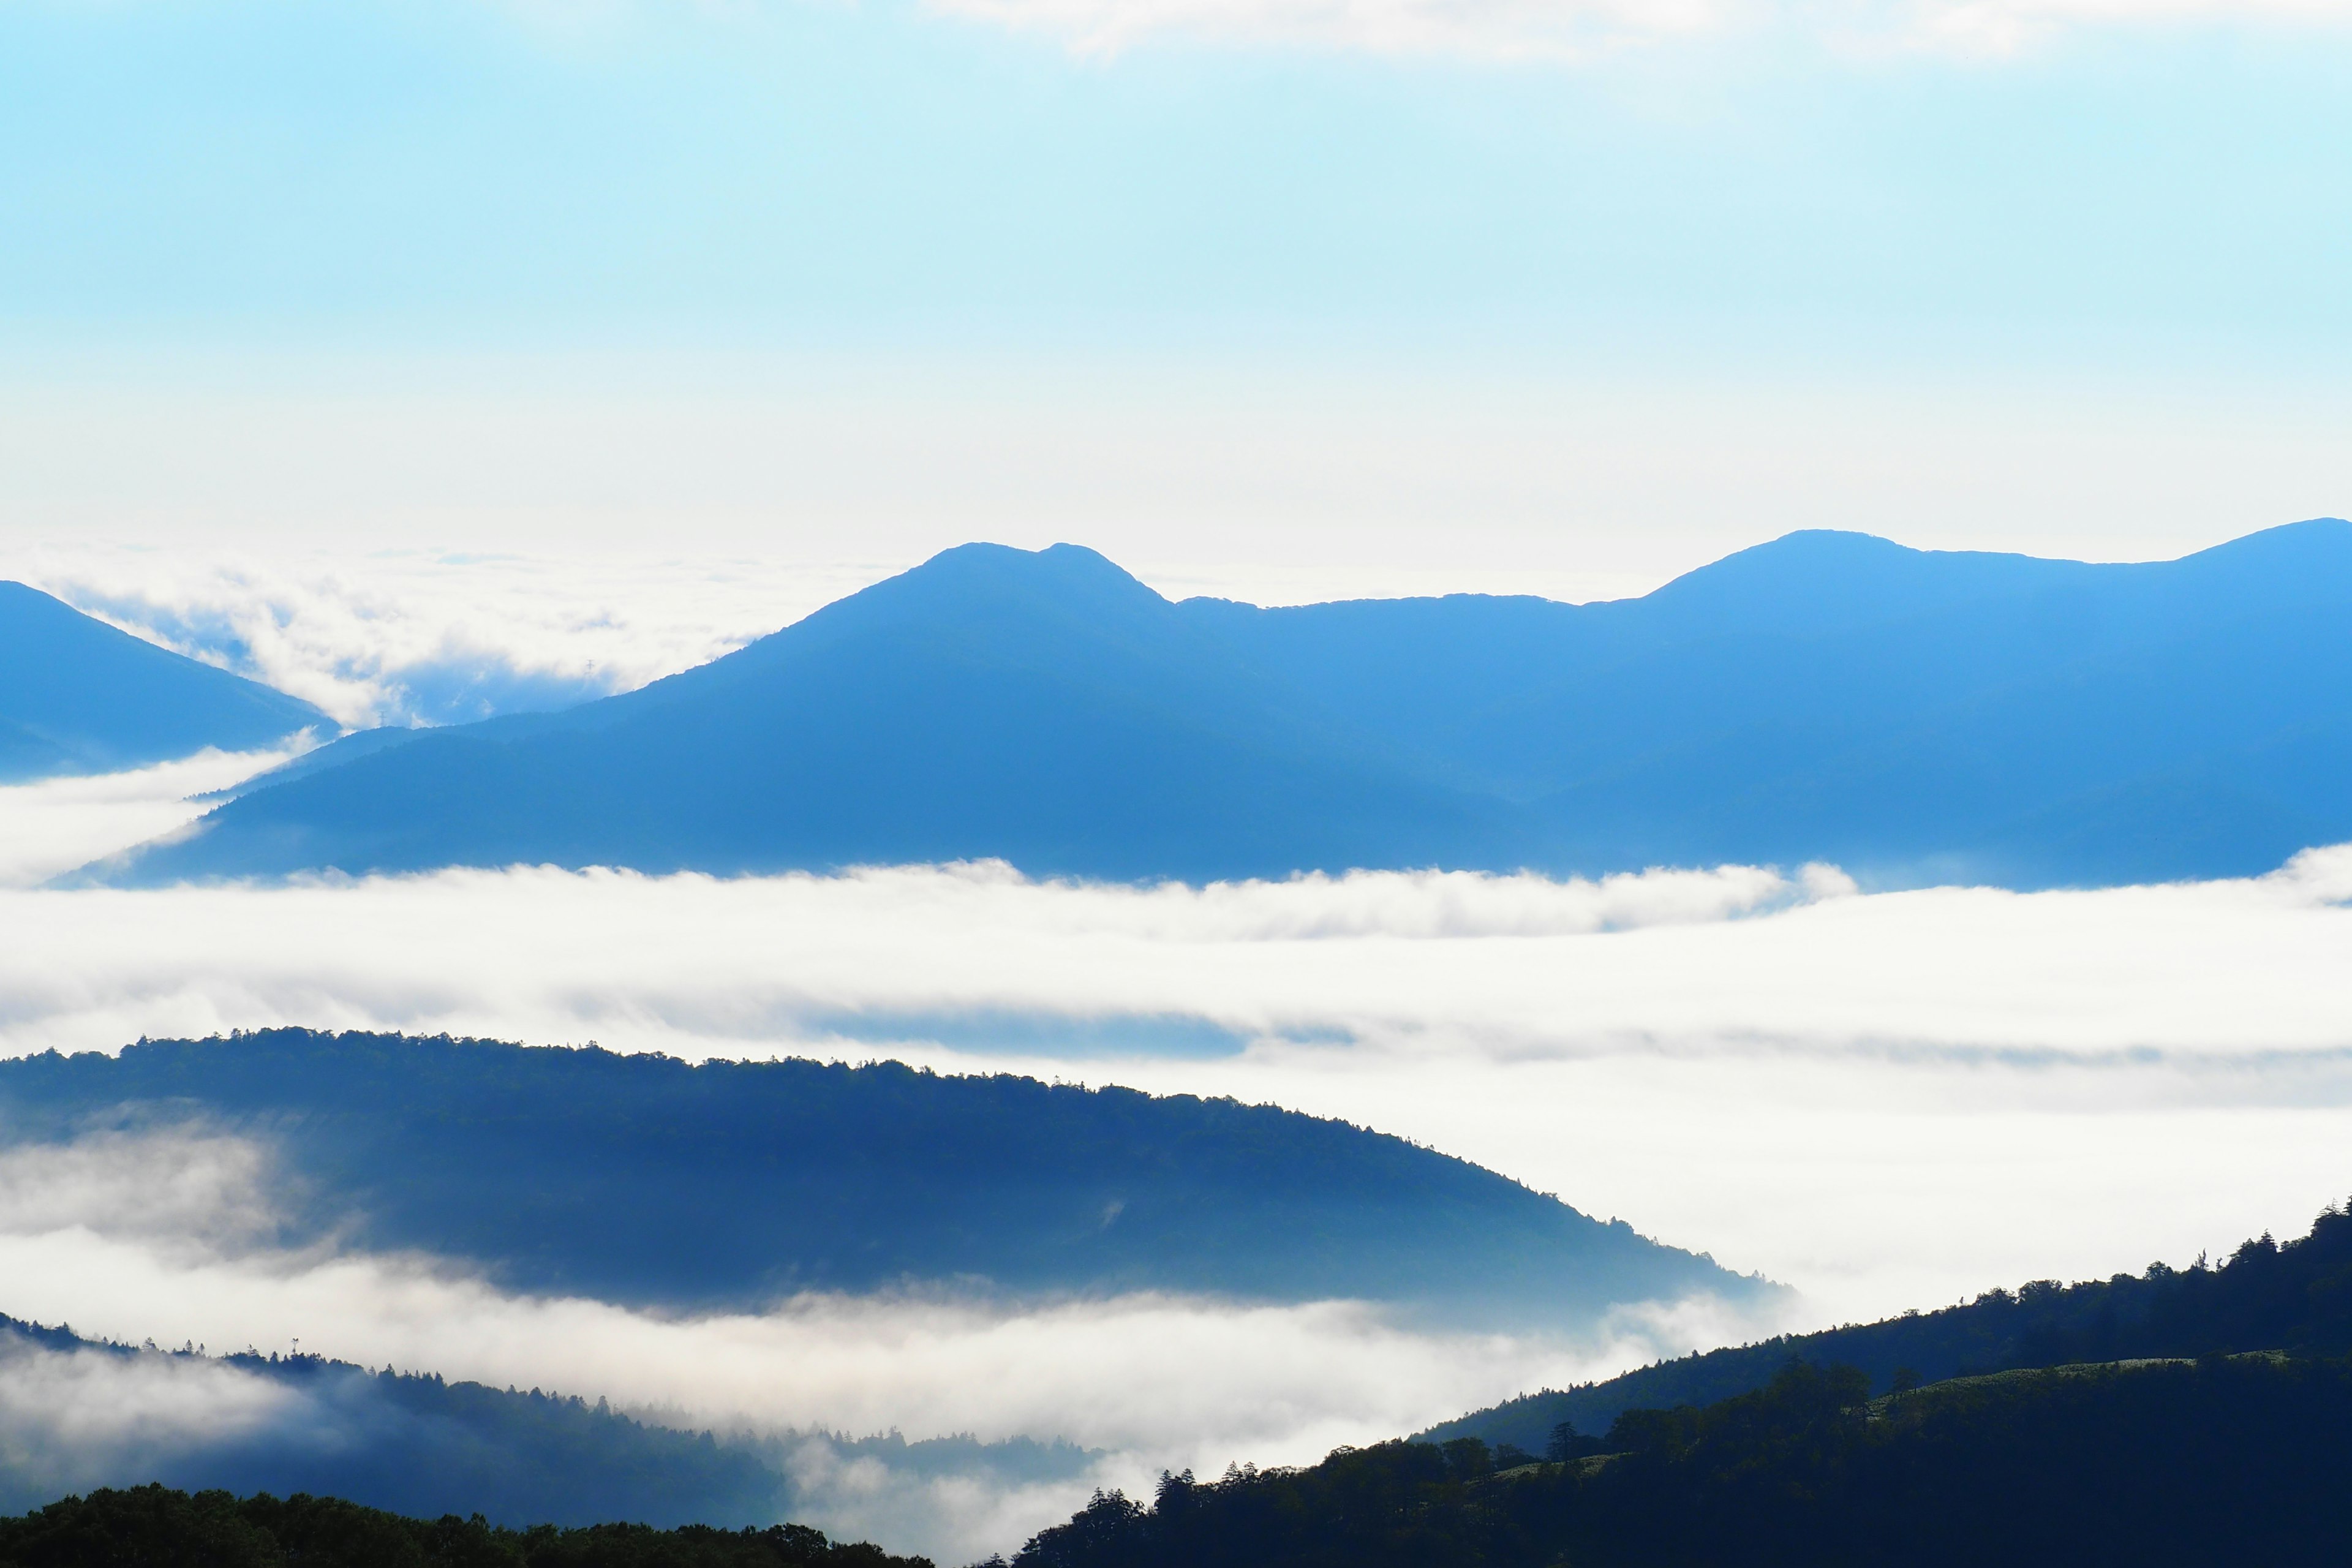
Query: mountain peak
point(77, 695)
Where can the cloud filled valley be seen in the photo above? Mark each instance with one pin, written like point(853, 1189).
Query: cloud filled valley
point(1883, 1099)
point(858, 1177)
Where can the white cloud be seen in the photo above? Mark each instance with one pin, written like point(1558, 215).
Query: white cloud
point(1581, 29)
point(1490, 28)
point(58, 824)
point(428, 636)
point(1506, 967)
point(70, 1420)
point(1885, 1100)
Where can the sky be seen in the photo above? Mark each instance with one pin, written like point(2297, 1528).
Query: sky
point(1259, 296)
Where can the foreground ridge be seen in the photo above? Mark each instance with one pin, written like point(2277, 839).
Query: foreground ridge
point(2221, 1459)
point(153, 1524)
point(2294, 1296)
point(2184, 1417)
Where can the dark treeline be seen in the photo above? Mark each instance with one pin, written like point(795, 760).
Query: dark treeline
point(2296, 1296)
point(154, 1527)
point(2180, 1416)
point(2237, 1459)
point(416, 1444)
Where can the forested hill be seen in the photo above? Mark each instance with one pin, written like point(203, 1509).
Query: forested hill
point(77, 696)
point(647, 1180)
point(2294, 1298)
point(152, 1526)
point(417, 1443)
point(409, 1442)
point(1911, 715)
point(2133, 1465)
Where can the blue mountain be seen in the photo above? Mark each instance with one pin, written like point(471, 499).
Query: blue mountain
point(1913, 715)
point(76, 696)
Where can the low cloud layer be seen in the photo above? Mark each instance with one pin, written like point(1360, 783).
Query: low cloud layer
point(1886, 1100)
point(1503, 967)
point(155, 1236)
point(75, 1419)
point(56, 825)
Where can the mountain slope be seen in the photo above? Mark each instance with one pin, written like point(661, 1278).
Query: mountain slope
point(2184, 1417)
point(1046, 708)
point(2295, 1296)
point(152, 1524)
point(648, 1181)
point(2229, 1460)
point(76, 696)
point(418, 1443)
point(1911, 715)
point(405, 1441)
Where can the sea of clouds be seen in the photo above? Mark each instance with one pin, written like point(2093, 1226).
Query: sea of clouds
point(1885, 1100)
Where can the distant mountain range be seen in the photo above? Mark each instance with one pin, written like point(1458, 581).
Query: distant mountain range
point(76, 696)
point(652, 1182)
point(1913, 716)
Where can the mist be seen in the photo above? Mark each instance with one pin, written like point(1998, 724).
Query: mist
point(167, 1235)
point(56, 825)
point(1885, 1100)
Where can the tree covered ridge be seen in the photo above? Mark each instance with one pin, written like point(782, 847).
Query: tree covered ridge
point(2162, 1419)
point(154, 1527)
point(419, 1445)
point(605, 1167)
point(2295, 1296)
point(2213, 1460)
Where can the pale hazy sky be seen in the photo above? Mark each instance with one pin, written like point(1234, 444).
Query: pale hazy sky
point(1259, 296)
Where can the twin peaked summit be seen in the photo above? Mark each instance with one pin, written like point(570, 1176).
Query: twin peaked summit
point(1911, 715)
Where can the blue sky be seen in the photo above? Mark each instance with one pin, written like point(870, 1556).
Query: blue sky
point(801, 169)
point(1946, 231)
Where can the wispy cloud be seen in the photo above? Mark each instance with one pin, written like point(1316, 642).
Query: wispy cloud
point(75, 1419)
point(55, 825)
point(1570, 30)
point(428, 636)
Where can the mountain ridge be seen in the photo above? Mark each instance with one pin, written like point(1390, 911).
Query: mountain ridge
point(1911, 715)
point(78, 696)
point(661, 1184)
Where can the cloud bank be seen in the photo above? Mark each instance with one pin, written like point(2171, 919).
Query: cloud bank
point(1886, 1100)
point(1506, 967)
